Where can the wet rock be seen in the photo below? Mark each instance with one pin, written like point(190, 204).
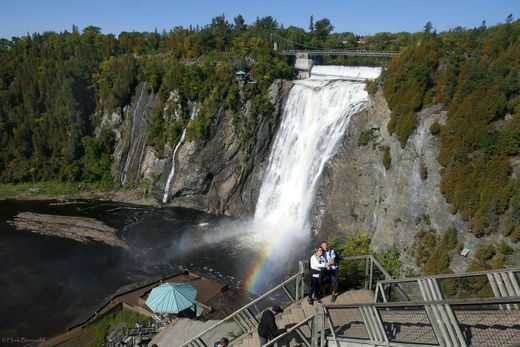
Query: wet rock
point(80, 229)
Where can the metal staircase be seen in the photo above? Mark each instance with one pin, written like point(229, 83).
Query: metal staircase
point(468, 309)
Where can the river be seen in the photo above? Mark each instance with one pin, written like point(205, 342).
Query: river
point(50, 283)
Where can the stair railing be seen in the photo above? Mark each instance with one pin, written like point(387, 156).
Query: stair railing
point(365, 270)
point(295, 329)
point(245, 320)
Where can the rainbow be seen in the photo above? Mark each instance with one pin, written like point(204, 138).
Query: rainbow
point(262, 268)
point(256, 270)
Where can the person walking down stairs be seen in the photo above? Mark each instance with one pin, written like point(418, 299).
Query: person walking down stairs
point(267, 328)
point(317, 266)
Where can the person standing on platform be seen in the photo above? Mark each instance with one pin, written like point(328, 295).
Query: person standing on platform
point(330, 258)
point(318, 264)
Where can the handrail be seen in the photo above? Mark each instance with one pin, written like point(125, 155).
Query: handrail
point(443, 325)
point(453, 275)
point(373, 259)
point(243, 308)
point(339, 52)
point(279, 337)
point(461, 302)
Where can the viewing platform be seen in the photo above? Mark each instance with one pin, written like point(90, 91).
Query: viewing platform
point(467, 309)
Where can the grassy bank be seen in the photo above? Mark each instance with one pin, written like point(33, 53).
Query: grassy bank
point(94, 334)
point(51, 189)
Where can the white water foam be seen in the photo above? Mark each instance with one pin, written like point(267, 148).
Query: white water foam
point(314, 123)
point(351, 73)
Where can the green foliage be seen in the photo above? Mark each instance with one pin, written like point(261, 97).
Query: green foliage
point(371, 87)
point(390, 260)
point(423, 171)
point(94, 334)
point(435, 128)
point(357, 243)
point(475, 75)
point(365, 137)
point(490, 256)
point(432, 252)
point(96, 162)
point(408, 79)
point(387, 159)
point(116, 80)
point(50, 188)
point(55, 87)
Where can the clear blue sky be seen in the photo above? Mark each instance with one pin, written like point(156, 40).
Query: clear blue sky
point(18, 17)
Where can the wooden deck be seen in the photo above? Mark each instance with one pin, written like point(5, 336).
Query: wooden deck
point(135, 296)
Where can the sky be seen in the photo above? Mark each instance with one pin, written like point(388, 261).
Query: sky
point(19, 17)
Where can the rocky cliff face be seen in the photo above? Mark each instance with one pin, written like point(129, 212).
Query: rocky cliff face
point(223, 175)
point(220, 175)
point(132, 158)
point(357, 192)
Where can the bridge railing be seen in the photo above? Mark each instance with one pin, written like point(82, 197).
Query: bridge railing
point(479, 284)
point(347, 52)
point(481, 322)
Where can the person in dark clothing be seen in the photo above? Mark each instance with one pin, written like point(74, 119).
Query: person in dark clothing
point(267, 329)
point(223, 342)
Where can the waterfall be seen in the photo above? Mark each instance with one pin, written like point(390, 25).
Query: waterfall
point(194, 112)
point(314, 123)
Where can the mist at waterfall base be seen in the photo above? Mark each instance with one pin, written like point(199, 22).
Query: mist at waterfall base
point(50, 283)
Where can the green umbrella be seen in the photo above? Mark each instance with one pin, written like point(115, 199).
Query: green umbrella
point(171, 297)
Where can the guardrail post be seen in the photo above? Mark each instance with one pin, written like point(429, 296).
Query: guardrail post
point(314, 328)
point(324, 314)
point(366, 272)
point(371, 274)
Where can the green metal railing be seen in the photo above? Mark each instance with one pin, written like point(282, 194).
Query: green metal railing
point(362, 272)
point(430, 310)
point(479, 284)
point(304, 329)
point(482, 322)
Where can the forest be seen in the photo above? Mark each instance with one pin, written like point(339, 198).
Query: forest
point(55, 87)
point(475, 75)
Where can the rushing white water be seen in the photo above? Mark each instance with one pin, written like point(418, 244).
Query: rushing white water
point(314, 122)
point(351, 73)
point(194, 112)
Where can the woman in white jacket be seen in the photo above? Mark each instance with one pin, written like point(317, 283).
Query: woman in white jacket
point(317, 265)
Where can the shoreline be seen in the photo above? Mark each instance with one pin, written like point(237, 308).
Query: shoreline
point(136, 196)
